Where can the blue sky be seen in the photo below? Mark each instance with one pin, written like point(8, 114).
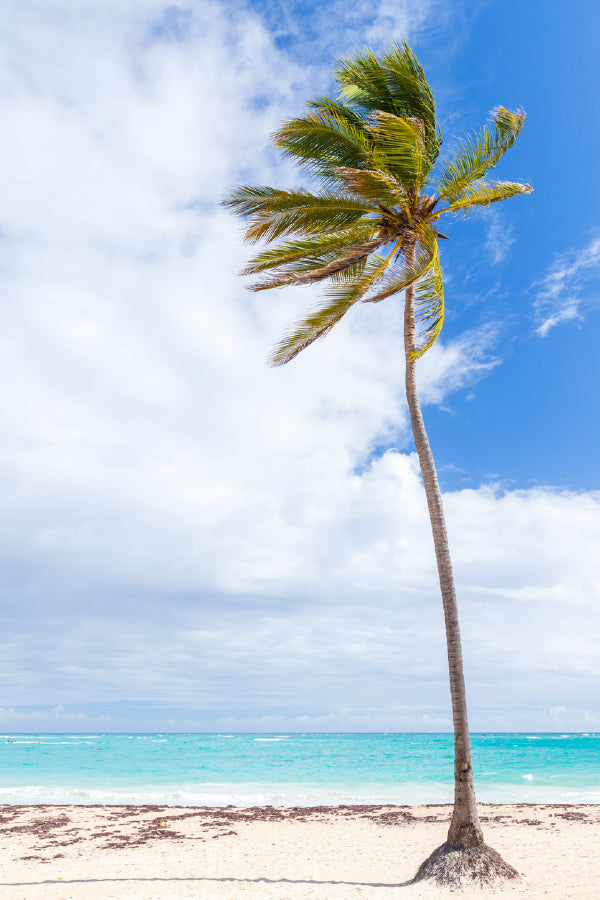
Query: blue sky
point(193, 541)
point(534, 418)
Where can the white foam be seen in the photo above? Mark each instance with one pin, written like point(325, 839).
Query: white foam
point(243, 795)
point(285, 794)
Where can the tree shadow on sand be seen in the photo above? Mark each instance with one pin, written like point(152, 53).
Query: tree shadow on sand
point(231, 879)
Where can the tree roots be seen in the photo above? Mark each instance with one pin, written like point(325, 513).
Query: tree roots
point(455, 866)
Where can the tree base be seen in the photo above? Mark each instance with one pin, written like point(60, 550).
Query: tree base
point(460, 866)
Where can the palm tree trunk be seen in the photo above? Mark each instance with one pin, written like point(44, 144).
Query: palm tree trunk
point(465, 829)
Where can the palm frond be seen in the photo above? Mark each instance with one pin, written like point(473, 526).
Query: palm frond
point(482, 193)
point(338, 108)
point(274, 213)
point(372, 186)
point(397, 279)
point(246, 200)
point(400, 146)
point(508, 127)
point(302, 274)
point(319, 323)
point(322, 247)
point(309, 271)
point(406, 77)
point(354, 256)
point(324, 139)
point(396, 84)
point(470, 163)
point(429, 309)
point(478, 154)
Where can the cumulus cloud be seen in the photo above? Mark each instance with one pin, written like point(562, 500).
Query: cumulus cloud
point(566, 288)
point(189, 538)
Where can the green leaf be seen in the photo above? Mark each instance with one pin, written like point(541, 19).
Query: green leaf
point(319, 249)
point(400, 147)
point(478, 154)
point(372, 186)
point(482, 193)
point(308, 273)
point(508, 127)
point(429, 309)
point(323, 140)
point(425, 254)
point(274, 213)
point(396, 84)
point(319, 323)
point(470, 163)
point(338, 108)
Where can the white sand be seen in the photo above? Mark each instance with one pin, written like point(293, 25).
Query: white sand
point(125, 852)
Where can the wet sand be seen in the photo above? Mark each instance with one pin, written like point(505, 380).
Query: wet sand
point(333, 853)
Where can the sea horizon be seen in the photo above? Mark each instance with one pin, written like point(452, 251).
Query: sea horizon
point(286, 731)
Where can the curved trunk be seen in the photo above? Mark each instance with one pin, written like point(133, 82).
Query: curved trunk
point(465, 829)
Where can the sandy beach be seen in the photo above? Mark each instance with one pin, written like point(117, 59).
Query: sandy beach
point(62, 852)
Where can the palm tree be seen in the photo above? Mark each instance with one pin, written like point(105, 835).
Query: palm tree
point(370, 230)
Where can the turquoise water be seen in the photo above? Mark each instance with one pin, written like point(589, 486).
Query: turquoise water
point(294, 769)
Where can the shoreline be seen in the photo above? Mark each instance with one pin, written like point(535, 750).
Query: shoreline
point(285, 853)
point(283, 796)
point(320, 808)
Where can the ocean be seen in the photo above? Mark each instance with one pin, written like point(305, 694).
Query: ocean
point(292, 769)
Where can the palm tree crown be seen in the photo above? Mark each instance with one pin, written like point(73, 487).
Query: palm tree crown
point(373, 153)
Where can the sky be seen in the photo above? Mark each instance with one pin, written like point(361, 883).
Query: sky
point(192, 541)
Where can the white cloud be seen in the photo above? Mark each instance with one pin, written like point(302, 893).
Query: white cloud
point(183, 528)
point(58, 715)
point(500, 236)
point(448, 367)
point(357, 23)
point(399, 17)
point(566, 287)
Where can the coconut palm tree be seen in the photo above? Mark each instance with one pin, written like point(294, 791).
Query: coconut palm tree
point(370, 230)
